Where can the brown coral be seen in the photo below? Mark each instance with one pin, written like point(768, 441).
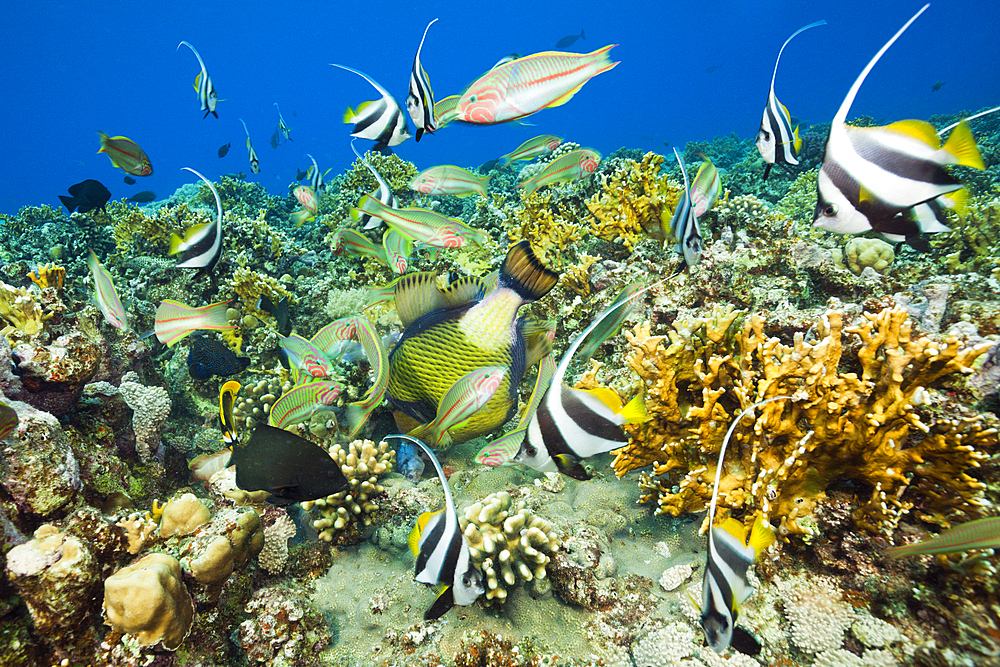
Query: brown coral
point(875, 428)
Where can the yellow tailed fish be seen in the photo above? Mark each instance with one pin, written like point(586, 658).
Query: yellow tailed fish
point(201, 247)
point(448, 179)
point(207, 96)
point(427, 227)
point(306, 196)
point(532, 148)
point(357, 244)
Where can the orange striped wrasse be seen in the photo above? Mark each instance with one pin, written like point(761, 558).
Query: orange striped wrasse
point(563, 169)
point(532, 148)
point(106, 294)
point(175, 320)
point(448, 179)
point(427, 227)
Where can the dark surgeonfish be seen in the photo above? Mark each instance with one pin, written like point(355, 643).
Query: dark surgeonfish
point(570, 424)
point(726, 586)
point(290, 468)
point(86, 196)
point(201, 247)
point(129, 180)
point(570, 40)
point(279, 311)
point(442, 551)
point(143, 197)
point(872, 175)
point(208, 357)
point(420, 101)
point(223, 150)
point(776, 141)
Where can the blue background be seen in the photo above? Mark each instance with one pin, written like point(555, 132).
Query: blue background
point(71, 69)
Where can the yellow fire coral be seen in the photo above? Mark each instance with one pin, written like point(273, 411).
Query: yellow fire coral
point(49, 275)
point(874, 426)
point(550, 225)
point(19, 311)
point(636, 201)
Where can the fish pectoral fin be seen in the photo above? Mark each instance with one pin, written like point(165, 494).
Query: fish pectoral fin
point(796, 140)
point(962, 145)
point(441, 605)
point(570, 466)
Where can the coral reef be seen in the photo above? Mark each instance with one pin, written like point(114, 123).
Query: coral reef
point(20, 311)
point(508, 543)
point(284, 629)
point(884, 426)
point(860, 254)
point(344, 516)
point(148, 599)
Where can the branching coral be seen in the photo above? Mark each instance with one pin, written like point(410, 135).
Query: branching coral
point(19, 310)
point(974, 239)
point(49, 275)
point(250, 285)
point(346, 514)
point(134, 230)
point(636, 201)
point(507, 542)
point(878, 427)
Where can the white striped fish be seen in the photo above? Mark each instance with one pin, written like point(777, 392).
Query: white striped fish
point(383, 194)
point(106, 294)
point(420, 101)
point(573, 424)
point(725, 586)
point(203, 84)
point(201, 247)
point(525, 86)
point(684, 223)
point(870, 175)
point(381, 120)
point(776, 141)
point(251, 153)
point(316, 181)
point(441, 550)
point(281, 124)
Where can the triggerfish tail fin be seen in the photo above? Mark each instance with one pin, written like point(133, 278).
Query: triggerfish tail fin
point(227, 397)
point(524, 273)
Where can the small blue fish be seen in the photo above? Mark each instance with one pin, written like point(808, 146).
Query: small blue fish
point(409, 462)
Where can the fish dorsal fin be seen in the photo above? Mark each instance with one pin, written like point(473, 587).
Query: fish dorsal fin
point(782, 49)
point(464, 290)
point(955, 201)
point(419, 529)
point(524, 273)
point(734, 528)
point(845, 106)
point(917, 129)
point(608, 397)
point(417, 294)
point(962, 145)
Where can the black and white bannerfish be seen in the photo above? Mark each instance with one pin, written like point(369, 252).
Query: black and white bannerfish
point(725, 585)
point(871, 177)
point(201, 246)
point(441, 550)
point(380, 120)
point(203, 84)
point(420, 101)
point(684, 223)
point(251, 153)
point(570, 424)
point(383, 194)
point(281, 124)
point(776, 141)
point(316, 181)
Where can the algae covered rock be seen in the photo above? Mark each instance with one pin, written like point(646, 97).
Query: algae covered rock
point(148, 599)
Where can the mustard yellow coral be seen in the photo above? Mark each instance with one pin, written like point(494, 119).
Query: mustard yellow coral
point(49, 275)
point(636, 201)
point(550, 225)
point(872, 427)
point(20, 311)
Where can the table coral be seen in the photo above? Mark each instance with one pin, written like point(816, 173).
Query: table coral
point(636, 201)
point(883, 427)
point(346, 514)
point(508, 542)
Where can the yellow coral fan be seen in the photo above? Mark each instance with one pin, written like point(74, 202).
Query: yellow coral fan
point(49, 275)
point(871, 428)
point(636, 201)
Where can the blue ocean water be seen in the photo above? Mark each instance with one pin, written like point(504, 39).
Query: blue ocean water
point(689, 71)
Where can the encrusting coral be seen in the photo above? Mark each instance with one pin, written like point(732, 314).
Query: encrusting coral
point(508, 542)
point(879, 427)
point(346, 514)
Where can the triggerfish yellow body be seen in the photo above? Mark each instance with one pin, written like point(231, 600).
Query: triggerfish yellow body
point(453, 332)
point(527, 85)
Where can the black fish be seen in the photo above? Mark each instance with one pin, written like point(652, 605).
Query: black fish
point(129, 180)
point(291, 468)
point(223, 150)
point(937, 86)
point(569, 40)
point(87, 195)
point(209, 357)
point(713, 68)
point(143, 197)
point(275, 138)
point(242, 176)
point(278, 311)
point(299, 174)
point(488, 166)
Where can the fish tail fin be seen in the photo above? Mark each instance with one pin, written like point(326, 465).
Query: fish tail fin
point(175, 244)
point(962, 145)
point(955, 201)
point(796, 140)
point(524, 273)
point(357, 415)
point(299, 218)
point(761, 535)
point(634, 411)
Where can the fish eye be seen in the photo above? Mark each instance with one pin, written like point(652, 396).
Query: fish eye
point(472, 98)
point(830, 210)
point(531, 451)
